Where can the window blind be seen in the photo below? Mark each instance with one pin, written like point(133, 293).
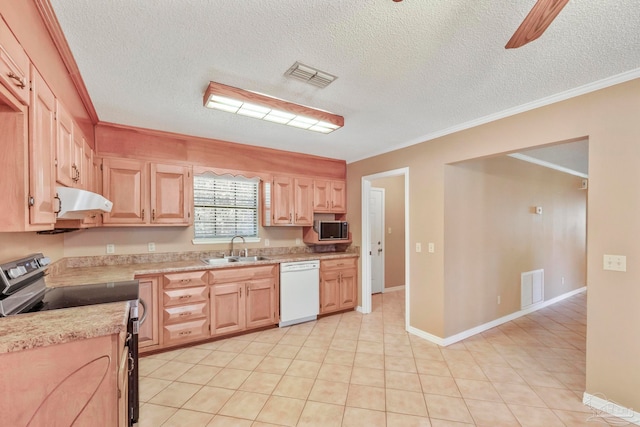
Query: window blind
point(225, 206)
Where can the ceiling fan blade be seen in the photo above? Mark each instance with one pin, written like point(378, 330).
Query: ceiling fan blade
point(536, 22)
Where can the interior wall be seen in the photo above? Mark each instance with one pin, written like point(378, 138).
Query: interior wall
point(609, 118)
point(493, 234)
point(135, 240)
point(394, 229)
point(18, 245)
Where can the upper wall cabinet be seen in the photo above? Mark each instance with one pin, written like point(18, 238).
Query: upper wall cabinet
point(288, 201)
point(70, 147)
point(42, 138)
point(14, 65)
point(146, 193)
point(329, 196)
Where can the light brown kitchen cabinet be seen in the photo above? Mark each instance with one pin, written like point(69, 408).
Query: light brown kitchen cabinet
point(86, 369)
point(148, 332)
point(171, 193)
point(329, 196)
point(243, 298)
point(14, 65)
point(42, 140)
point(147, 193)
point(185, 307)
point(67, 171)
point(338, 284)
point(290, 200)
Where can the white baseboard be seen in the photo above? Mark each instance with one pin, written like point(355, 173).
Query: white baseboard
point(393, 289)
point(605, 410)
point(359, 309)
point(486, 326)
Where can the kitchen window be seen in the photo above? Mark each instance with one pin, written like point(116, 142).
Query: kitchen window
point(224, 206)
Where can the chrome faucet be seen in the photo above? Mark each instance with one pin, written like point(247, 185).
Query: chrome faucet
point(243, 242)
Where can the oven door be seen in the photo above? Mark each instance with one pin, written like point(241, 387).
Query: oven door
point(132, 329)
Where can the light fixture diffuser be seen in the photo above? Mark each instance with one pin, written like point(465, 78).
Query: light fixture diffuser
point(251, 104)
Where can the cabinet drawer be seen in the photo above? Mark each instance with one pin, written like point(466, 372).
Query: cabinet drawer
point(14, 64)
point(187, 331)
point(185, 279)
point(171, 297)
point(241, 274)
point(184, 313)
point(338, 263)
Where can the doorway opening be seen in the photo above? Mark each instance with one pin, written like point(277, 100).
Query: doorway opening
point(368, 242)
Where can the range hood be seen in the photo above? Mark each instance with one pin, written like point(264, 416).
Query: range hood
point(76, 203)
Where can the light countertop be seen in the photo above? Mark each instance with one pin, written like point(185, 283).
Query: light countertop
point(32, 330)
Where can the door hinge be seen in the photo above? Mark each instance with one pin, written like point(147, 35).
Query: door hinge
point(119, 393)
point(101, 167)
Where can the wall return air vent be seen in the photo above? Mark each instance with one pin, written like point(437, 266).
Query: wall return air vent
point(310, 75)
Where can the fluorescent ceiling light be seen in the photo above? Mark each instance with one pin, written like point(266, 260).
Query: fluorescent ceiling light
point(251, 104)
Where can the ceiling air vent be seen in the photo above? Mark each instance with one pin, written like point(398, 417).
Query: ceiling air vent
point(310, 75)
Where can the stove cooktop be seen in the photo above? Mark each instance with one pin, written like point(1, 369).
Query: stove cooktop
point(81, 295)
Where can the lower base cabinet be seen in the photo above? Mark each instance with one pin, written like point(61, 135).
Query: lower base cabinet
point(338, 284)
point(244, 298)
point(194, 306)
point(78, 383)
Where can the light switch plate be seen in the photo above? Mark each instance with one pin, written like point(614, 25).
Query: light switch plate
point(615, 262)
point(418, 247)
point(432, 248)
point(151, 247)
point(111, 248)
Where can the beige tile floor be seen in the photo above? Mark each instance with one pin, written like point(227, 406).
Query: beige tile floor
point(365, 370)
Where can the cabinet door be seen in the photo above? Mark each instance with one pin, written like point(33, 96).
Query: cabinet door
point(303, 202)
point(65, 172)
point(42, 142)
point(338, 197)
point(148, 332)
point(171, 190)
point(227, 308)
point(281, 201)
point(329, 291)
point(321, 196)
point(348, 288)
point(124, 183)
point(14, 64)
point(261, 303)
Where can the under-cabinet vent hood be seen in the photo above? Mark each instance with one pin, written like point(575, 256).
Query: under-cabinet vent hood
point(76, 203)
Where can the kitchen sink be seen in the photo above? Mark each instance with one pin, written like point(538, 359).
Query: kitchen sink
point(233, 259)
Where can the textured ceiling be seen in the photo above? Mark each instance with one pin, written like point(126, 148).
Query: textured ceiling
point(406, 71)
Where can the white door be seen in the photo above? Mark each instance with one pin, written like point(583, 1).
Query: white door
point(376, 222)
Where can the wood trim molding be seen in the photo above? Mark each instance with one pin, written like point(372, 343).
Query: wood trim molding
point(53, 27)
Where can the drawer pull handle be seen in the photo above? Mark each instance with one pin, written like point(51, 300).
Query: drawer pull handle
point(20, 82)
point(185, 280)
point(184, 297)
point(184, 333)
point(186, 313)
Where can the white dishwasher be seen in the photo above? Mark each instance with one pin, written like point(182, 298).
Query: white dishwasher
point(299, 292)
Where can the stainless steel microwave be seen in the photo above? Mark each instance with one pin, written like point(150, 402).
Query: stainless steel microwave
point(332, 230)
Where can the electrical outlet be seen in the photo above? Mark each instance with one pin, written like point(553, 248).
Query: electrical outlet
point(298, 241)
point(267, 242)
point(111, 248)
point(615, 262)
point(151, 247)
point(499, 299)
point(432, 248)
point(418, 247)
